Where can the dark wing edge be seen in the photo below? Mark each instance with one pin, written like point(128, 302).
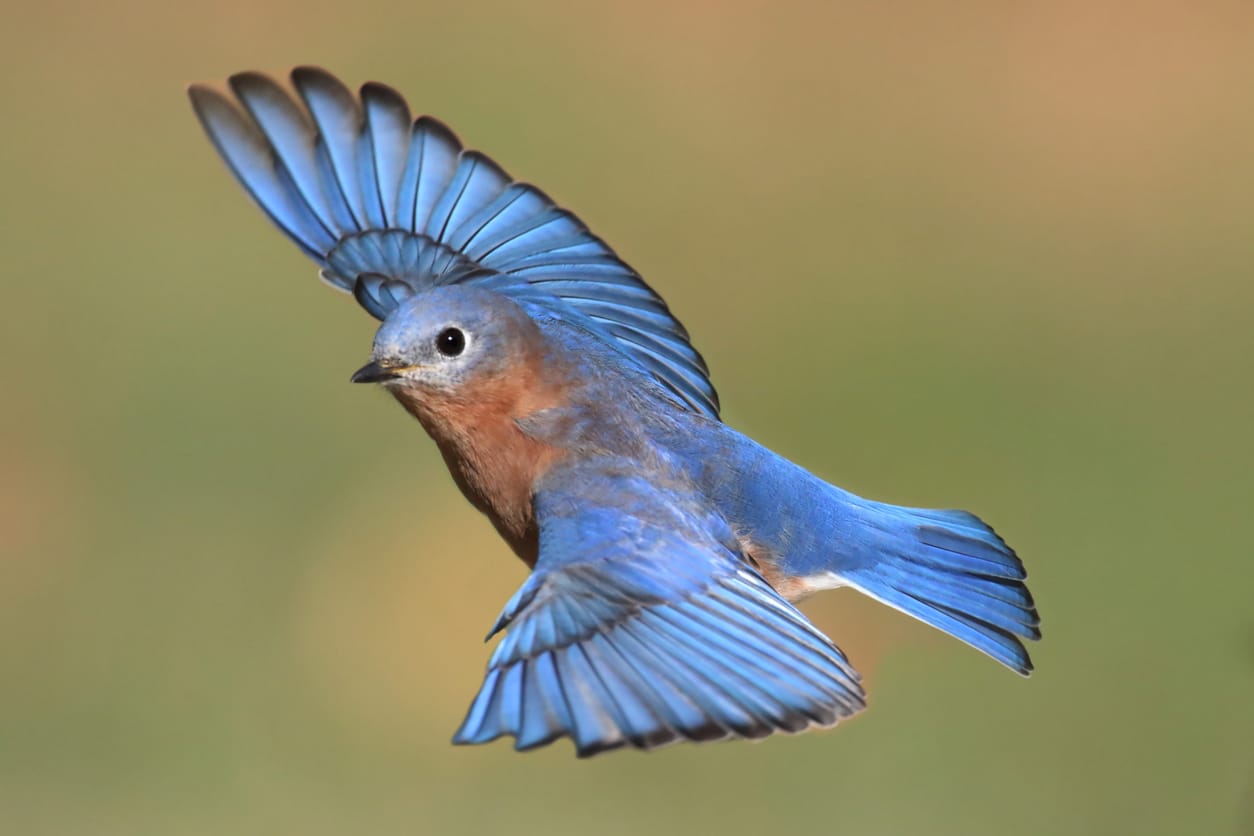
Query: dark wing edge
point(363, 188)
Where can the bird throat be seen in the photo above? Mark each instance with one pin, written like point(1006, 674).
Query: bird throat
point(494, 462)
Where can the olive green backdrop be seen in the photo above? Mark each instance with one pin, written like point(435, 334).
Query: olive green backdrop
point(963, 256)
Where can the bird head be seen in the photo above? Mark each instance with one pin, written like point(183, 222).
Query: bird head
point(456, 343)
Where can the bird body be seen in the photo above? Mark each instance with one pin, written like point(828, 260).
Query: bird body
point(573, 412)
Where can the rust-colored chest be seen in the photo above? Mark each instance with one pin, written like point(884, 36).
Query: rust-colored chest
point(494, 463)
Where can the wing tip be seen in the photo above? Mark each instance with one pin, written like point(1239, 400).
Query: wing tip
point(244, 78)
point(315, 74)
point(197, 89)
point(205, 97)
point(653, 742)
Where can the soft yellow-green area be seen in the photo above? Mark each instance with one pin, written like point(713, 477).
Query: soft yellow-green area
point(984, 255)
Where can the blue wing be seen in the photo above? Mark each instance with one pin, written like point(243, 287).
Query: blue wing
point(390, 206)
point(641, 626)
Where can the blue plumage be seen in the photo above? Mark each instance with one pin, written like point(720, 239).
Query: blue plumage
point(640, 626)
point(946, 568)
point(957, 575)
point(572, 410)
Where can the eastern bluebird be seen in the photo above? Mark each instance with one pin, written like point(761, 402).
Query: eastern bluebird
point(572, 410)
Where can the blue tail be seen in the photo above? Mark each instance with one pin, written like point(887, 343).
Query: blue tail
point(950, 570)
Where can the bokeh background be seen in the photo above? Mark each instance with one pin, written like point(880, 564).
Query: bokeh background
point(981, 255)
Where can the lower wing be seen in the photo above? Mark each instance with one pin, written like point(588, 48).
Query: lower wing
point(641, 626)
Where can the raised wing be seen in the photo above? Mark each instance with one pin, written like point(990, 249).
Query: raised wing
point(640, 626)
point(390, 206)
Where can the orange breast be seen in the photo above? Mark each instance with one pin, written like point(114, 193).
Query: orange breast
point(495, 463)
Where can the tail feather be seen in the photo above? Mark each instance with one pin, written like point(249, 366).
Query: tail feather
point(952, 571)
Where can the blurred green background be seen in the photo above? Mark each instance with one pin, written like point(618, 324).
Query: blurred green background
point(979, 256)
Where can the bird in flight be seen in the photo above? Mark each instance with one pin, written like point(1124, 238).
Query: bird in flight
point(572, 410)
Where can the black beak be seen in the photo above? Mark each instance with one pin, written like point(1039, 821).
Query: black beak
point(375, 372)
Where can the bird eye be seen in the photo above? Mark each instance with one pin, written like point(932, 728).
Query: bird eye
point(451, 342)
